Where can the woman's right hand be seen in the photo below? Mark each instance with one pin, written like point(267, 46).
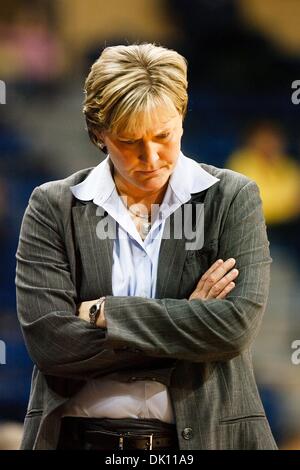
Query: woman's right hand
point(217, 282)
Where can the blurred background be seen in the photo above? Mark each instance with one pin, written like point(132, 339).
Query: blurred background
point(243, 57)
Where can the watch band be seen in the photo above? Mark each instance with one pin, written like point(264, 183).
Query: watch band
point(94, 311)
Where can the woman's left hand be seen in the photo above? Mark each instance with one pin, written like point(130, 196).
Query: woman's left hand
point(83, 312)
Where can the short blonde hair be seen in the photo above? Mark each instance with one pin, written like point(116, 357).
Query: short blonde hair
point(126, 81)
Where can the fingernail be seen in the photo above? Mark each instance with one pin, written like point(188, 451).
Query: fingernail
point(232, 260)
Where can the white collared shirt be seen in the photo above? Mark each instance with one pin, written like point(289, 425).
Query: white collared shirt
point(134, 273)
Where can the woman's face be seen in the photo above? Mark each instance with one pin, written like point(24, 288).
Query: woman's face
point(144, 161)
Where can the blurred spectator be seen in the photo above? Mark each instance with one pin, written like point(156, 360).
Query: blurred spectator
point(31, 54)
point(10, 435)
point(263, 158)
point(291, 443)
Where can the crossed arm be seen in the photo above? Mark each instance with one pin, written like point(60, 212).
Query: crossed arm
point(216, 283)
point(138, 329)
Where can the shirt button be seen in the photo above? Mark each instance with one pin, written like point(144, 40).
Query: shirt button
point(187, 433)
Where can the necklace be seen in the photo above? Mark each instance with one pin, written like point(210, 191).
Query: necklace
point(146, 221)
point(137, 214)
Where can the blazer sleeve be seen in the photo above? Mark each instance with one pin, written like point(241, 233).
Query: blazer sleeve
point(205, 330)
point(58, 342)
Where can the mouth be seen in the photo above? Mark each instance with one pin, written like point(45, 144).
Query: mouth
point(152, 172)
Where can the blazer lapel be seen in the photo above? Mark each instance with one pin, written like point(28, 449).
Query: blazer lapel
point(173, 251)
point(95, 252)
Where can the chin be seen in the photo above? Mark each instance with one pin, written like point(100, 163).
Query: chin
point(149, 187)
point(153, 182)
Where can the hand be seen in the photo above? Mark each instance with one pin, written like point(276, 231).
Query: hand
point(83, 312)
point(217, 282)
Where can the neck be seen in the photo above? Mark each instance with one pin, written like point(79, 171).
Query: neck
point(136, 196)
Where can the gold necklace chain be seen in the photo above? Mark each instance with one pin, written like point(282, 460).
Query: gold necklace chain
point(144, 217)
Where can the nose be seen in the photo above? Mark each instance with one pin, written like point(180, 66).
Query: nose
point(149, 155)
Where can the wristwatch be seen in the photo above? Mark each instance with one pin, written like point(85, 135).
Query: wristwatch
point(94, 311)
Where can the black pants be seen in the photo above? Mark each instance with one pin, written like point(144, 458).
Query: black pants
point(75, 432)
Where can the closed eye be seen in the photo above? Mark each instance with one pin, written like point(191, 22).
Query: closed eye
point(163, 136)
point(129, 142)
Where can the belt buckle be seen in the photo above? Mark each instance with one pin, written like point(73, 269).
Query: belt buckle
point(150, 443)
point(129, 434)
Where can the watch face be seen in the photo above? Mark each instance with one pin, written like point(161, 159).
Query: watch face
point(93, 309)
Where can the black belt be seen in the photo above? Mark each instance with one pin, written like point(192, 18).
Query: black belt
point(116, 434)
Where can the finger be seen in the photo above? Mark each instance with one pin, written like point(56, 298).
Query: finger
point(222, 284)
point(217, 275)
point(203, 278)
point(226, 291)
point(219, 268)
point(213, 267)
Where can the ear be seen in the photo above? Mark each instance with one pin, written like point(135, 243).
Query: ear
point(101, 140)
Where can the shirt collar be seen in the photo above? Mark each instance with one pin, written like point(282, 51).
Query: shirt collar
point(189, 177)
point(99, 184)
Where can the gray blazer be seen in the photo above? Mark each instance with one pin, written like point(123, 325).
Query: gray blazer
point(200, 349)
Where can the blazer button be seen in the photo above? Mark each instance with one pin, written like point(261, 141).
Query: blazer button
point(187, 433)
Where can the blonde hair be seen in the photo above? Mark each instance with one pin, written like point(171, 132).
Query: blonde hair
point(127, 81)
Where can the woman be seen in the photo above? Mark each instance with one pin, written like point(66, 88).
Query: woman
point(126, 277)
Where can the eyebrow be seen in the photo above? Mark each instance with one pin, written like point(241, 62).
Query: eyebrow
point(164, 131)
